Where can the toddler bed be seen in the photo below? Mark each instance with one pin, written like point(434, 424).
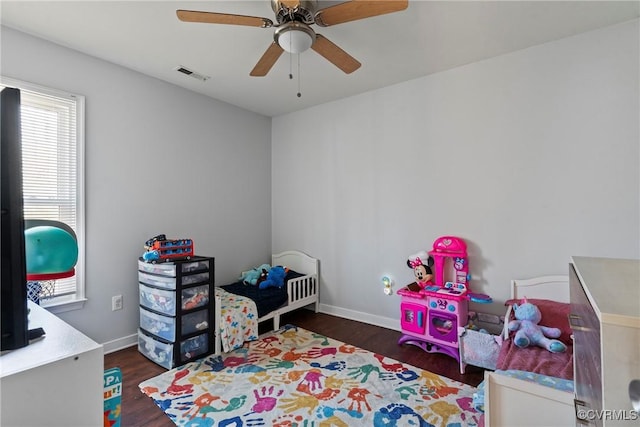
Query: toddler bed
point(240, 307)
point(533, 386)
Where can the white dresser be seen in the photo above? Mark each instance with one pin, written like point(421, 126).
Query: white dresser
point(605, 318)
point(56, 380)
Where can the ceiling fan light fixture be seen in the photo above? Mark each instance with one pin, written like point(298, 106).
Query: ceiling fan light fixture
point(295, 37)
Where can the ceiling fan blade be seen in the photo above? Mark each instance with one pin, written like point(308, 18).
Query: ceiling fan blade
point(335, 55)
point(269, 58)
point(357, 9)
point(222, 18)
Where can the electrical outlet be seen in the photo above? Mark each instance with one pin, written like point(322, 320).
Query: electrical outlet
point(116, 302)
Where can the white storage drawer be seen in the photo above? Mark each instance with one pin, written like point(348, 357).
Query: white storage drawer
point(161, 326)
point(155, 350)
point(165, 326)
point(166, 282)
point(158, 300)
point(158, 281)
point(166, 269)
point(163, 353)
point(171, 269)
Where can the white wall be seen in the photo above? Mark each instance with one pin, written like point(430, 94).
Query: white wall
point(159, 159)
point(531, 157)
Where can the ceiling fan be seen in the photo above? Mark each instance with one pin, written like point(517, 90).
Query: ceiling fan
point(293, 32)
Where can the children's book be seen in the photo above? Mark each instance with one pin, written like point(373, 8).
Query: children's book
point(112, 397)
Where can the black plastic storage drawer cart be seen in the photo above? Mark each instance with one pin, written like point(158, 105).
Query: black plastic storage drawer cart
point(176, 310)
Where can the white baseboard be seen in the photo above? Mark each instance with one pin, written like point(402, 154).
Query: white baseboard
point(372, 319)
point(120, 343)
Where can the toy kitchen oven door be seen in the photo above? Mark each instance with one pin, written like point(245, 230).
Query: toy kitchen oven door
point(448, 311)
point(430, 319)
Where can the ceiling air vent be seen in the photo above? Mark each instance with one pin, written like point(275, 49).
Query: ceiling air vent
point(191, 73)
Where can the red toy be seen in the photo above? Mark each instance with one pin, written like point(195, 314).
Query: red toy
point(161, 249)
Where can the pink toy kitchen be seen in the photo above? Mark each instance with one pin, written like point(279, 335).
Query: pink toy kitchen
point(435, 308)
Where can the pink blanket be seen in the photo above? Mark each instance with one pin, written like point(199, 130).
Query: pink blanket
point(536, 359)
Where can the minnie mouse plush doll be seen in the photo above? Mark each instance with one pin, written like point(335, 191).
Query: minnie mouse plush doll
point(421, 264)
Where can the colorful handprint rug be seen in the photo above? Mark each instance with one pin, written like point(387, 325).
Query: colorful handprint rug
point(296, 378)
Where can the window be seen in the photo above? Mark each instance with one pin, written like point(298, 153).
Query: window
point(53, 174)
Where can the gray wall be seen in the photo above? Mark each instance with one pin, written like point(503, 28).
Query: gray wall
point(159, 159)
point(531, 157)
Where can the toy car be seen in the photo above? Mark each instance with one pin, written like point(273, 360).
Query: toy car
point(149, 243)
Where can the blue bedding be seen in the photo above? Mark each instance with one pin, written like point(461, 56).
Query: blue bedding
point(267, 299)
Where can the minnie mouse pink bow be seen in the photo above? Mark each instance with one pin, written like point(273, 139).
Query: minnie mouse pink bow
point(416, 263)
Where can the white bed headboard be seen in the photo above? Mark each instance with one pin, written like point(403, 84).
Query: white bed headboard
point(297, 261)
point(555, 288)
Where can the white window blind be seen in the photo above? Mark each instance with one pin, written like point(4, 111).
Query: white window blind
point(52, 143)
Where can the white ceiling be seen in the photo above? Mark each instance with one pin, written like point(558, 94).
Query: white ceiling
point(428, 37)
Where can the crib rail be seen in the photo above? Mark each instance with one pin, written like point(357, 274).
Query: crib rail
point(302, 288)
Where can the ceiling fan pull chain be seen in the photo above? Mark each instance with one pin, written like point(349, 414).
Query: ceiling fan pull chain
point(290, 67)
point(299, 94)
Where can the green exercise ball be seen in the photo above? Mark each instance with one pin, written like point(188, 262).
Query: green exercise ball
point(49, 250)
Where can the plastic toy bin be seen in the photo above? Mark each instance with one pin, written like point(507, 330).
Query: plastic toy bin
point(155, 350)
point(193, 347)
point(195, 266)
point(161, 326)
point(196, 321)
point(194, 297)
point(158, 300)
point(171, 269)
point(157, 281)
point(166, 269)
point(195, 278)
point(166, 282)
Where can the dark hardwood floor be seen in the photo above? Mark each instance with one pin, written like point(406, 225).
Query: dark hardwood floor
point(139, 410)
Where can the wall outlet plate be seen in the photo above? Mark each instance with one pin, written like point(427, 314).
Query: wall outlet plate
point(116, 302)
